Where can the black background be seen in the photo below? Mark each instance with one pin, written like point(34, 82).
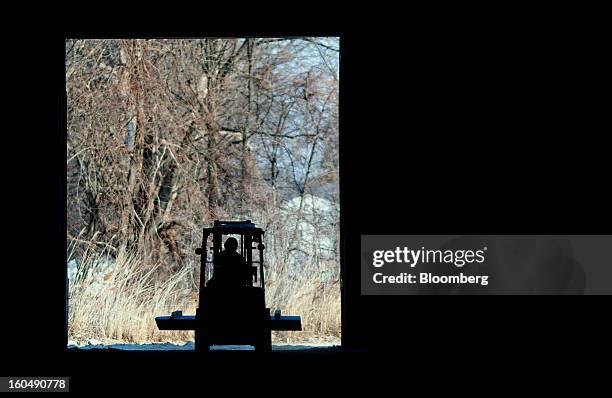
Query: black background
point(448, 126)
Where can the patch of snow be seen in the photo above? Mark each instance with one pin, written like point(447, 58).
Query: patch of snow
point(93, 342)
point(189, 346)
point(94, 274)
point(133, 347)
point(72, 269)
point(317, 223)
point(311, 205)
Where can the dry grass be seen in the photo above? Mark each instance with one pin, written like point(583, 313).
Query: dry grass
point(307, 295)
point(121, 304)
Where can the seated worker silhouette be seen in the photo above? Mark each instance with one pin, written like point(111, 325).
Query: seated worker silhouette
point(230, 270)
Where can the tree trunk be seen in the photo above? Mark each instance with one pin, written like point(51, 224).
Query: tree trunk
point(136, 155)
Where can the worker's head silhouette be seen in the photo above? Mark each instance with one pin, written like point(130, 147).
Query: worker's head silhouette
point(231, 244)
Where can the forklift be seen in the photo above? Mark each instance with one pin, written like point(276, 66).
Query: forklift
point(236, 315)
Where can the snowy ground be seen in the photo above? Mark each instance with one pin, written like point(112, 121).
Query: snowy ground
point(96, 345)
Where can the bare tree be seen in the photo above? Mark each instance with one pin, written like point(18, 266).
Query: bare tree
point(166, 135)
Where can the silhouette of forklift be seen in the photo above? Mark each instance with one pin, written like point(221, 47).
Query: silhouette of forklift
point(232, 308)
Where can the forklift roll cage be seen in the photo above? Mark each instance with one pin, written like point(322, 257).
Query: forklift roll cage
point(246, 320)
point(249, 234)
